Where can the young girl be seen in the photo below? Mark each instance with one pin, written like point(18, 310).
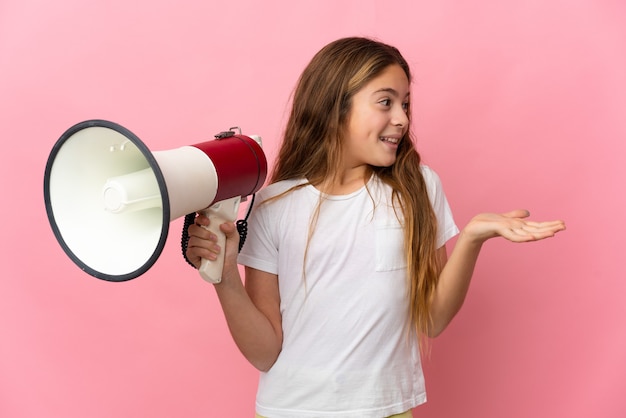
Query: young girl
point(345, 259)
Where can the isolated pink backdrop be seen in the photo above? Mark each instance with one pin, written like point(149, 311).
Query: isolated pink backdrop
point(516, 104)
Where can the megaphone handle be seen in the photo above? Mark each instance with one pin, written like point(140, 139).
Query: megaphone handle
point(218, 213)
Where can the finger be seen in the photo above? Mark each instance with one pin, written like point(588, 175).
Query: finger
point(545, 223)
point(201, 232)
point(544, 227)
point(202, 220)
point(203, 248)
point(529, 233)
point(228, 228)
point(232, 236)
point(518, 213)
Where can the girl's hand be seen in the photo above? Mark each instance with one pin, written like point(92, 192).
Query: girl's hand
point(512, 225)
point(203, 243)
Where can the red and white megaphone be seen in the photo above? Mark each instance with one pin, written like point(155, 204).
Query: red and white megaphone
point(110, 200)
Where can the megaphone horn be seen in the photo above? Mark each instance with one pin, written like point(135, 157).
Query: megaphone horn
point(110, 200)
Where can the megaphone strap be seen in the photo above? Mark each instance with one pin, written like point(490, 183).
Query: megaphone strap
point(242, 224)
point(184, 241)
point(242, 228)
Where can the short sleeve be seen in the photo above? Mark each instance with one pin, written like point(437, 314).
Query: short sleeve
point(260, 249)
point(446, 227)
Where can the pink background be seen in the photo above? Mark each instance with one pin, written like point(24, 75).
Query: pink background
point(517, 104)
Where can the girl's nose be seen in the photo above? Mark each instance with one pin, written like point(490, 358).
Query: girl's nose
point(400, 118)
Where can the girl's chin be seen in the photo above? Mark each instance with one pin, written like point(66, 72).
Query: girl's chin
point(384, 164)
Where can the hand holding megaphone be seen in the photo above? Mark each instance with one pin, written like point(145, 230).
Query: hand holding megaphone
point(224, 211)
point(100, 174)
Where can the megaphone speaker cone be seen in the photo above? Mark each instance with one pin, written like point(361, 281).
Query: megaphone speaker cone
point(106, 200)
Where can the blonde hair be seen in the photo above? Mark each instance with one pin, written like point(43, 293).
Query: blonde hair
point(312, 144)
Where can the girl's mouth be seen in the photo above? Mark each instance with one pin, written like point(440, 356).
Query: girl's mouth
point(390, 140)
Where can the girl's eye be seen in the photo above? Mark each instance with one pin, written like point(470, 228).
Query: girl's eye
point(385, 102)
point(405, 106)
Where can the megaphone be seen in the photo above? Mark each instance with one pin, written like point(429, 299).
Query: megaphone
point(110, 200)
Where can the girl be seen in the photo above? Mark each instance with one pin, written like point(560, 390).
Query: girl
point(345, 260)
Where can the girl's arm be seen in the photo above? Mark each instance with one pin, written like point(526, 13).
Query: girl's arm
point(456, 275)
point(252, 311)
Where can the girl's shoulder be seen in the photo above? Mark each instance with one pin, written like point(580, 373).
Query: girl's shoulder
point(281, 187)
point(431, 178)
point(428, 173)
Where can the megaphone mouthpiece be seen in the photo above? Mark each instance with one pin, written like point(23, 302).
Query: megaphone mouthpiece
point(131, 192)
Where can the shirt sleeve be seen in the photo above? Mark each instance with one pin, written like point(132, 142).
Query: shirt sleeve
point(260, 249)
point(446, 227)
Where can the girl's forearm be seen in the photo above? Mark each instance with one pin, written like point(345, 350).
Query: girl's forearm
point(455, 277)
point(250, 328)
point(454, 282)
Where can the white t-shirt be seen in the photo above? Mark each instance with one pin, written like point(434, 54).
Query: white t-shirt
point(348, 347)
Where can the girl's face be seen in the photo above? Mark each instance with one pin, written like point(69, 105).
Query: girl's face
point(378, 120)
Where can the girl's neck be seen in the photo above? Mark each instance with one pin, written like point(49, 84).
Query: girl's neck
point(346, 182)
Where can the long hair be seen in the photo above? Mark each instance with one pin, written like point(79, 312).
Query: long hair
point(312, 145)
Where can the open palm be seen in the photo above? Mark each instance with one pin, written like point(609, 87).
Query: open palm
point(511, 225)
